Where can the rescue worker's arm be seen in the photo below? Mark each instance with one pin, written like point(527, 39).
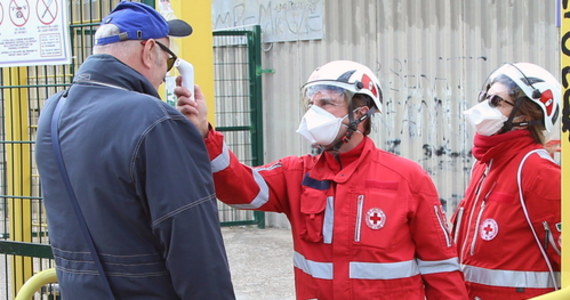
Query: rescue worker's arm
point(541, 192)
point(172, 173)
point(236, 184)
point(435, 251)
point(261, 188)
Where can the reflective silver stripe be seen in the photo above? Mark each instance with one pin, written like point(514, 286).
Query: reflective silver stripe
point(545, 155)
point(221, 161)
point(320, 270)
point(508, 278)
point(328, 223)
point(442, 224)
point(438, 266)
point(358, 218)
point(457, 224)
point(368, 270)
point(395, 270)
point(261, 198)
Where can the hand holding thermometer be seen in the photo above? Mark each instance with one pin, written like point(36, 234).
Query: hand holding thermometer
point(186, 70)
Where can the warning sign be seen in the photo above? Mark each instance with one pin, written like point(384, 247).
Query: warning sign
point(19, 12)
point(47, 11)
point(34, 32)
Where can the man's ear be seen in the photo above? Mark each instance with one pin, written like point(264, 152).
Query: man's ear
point(148, 53)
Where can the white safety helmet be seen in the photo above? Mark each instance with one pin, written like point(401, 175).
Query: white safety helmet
point(348, 76)
point(538, 85)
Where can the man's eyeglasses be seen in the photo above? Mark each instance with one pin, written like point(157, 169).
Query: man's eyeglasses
point(171, 58)
point(494, 100)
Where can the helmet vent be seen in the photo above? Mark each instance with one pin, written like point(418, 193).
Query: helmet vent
point(344, 77)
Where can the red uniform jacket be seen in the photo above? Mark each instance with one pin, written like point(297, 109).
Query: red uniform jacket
point(498, 252)
point(373, 229)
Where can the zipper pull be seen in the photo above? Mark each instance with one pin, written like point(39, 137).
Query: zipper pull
point(546, 234)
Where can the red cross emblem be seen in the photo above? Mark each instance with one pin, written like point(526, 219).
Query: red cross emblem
point(375, 218)
point(489, 229)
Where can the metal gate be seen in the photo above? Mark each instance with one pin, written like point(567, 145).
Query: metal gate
point(237, 61)
point(24, 241)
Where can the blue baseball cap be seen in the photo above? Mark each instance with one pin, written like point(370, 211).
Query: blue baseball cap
point(138, 21)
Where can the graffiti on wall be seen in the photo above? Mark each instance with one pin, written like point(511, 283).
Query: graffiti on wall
point(280, 20)
point(423, 119)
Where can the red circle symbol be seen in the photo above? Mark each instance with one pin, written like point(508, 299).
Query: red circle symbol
point(46, 10)
point(19, 12)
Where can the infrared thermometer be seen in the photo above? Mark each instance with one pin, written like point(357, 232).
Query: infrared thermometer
point(186, 70)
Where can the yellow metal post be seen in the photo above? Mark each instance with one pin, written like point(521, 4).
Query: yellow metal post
point(18, 170)
point(198, 47)
point(565, 139)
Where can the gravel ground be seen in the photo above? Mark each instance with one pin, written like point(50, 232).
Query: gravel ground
point(261, 262)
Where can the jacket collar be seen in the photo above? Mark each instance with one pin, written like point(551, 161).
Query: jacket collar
point(502, 146)
point(107, 69)
point(328, 168)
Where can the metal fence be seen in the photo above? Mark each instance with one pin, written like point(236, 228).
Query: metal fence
point(24, 241)
point(237, 61)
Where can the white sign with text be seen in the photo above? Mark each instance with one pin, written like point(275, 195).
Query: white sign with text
point(34, 32)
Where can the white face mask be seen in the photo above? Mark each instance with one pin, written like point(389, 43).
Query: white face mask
point(485, 119)
point(319, 126)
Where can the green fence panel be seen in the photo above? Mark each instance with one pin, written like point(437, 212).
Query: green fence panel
point(238, 90)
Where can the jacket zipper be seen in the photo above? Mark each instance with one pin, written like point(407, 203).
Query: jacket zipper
point(442, 226)
point(477, 194)
point(479, 217)
point(457, 225)
point(360, 206)
point(476, 230)
point(549, 238)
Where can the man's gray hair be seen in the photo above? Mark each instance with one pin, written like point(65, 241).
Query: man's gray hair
point(108, 30)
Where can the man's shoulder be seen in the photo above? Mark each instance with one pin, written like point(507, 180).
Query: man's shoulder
point(389, 157)
point(144, 104)
point(396, 163)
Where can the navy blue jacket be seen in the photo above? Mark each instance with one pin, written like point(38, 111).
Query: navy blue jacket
point(143, 180)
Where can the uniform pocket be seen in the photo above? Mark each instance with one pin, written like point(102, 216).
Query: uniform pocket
point(499, 197)
point(313, 203)
point(380, 219)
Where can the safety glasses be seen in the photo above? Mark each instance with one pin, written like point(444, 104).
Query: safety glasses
point(171, 58)
point(494, 100)
point(326, 94)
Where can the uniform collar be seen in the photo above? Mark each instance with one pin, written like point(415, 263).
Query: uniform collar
point(500, 146)
point(328, 167)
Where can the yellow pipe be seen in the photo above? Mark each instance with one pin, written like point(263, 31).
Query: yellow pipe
point(35, 283)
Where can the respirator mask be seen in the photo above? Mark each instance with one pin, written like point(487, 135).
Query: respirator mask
point(486, 119)
point(319, 126)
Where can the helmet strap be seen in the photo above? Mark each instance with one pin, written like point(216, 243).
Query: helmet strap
point(352, 127)
point(509, 124)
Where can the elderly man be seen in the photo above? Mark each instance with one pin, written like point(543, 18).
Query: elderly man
point(125, 177)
